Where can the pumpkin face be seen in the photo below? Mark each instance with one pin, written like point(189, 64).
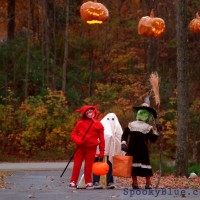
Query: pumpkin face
point(151, 26)
point(100, 168)
point(194, 25)
point(93, 12)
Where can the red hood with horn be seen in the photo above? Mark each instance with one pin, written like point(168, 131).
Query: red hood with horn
point(84, 108)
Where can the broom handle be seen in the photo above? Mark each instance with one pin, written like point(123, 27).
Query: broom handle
point(160, 153)
point(103, 178)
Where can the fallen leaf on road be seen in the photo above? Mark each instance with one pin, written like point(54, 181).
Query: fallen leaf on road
point(167, 181)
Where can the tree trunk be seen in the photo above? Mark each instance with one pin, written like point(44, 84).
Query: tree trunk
point(28, 51)
point(45, 42)
point(54, 48)
point(35, 19)
point(50, 5)
point(11, 19)
point(91, 66)
point(65, 63)
point(181, 165)
point(196, 152)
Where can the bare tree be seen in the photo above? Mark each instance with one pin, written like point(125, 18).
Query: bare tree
point(28, 50)
point(11, 19)
point(48, 9)
point(45, 44)
point(65, 63)
point(182, 90)
point(34, 6)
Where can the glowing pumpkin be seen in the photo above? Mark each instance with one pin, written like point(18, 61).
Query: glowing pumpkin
point(151, 26)
point(93, 12)
point(100, 168)
point(194, 25)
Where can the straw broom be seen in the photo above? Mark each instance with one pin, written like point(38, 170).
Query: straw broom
point(154, 80)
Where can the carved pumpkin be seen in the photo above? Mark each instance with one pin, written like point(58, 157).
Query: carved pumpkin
point(151, 26)
point(100, 168)
point(93, 12)
point(194, 25)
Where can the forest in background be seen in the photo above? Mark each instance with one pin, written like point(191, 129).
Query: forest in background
point(51, 63)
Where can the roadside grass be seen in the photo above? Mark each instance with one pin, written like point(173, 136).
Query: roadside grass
point(55, 154)
point(168, 166)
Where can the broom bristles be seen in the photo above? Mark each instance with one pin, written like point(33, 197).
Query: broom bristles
point(154, 80)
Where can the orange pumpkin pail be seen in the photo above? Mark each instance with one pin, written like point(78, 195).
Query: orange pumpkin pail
point(100, 168)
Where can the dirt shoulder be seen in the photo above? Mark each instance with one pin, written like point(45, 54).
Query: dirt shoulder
point(1, 183)
point(2, 176)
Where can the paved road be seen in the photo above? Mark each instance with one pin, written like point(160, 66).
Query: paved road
point(41, 181)
point(6, 166)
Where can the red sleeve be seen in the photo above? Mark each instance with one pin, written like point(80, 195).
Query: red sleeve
point(75, 137)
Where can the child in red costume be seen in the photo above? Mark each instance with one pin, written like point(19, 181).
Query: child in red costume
point(87, 135)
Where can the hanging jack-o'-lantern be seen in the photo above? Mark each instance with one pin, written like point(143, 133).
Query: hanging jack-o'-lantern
point(100, 168)
point(151, 26)
point(194, 25)
point(93, 12)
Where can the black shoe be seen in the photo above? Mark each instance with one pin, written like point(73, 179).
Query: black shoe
point(110, 186)
point(97, 186)
point(148, 187)
point(135, 187)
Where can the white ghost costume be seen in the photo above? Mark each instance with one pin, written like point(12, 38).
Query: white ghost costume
point(112, 135)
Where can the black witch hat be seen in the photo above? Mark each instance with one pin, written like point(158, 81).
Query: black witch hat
point(146, 106)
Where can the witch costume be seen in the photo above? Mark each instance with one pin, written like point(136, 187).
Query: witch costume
point(135, 141)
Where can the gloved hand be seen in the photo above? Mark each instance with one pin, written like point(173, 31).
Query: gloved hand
point(159, 127)
point(100, 155)
point(124, 147)
point(79, 141)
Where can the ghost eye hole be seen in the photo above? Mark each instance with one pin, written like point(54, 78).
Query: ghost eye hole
point(107, 118)
point(113, 119)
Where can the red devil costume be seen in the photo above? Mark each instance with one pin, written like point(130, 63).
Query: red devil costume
point(87, 134)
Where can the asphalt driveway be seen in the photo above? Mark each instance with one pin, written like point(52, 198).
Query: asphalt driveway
point(42, 181)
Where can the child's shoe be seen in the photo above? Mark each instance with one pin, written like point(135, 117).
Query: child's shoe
point(97, 186)
point(111, 186)
point(72, 185)
point(135, 187)
point(148, 187)
point(89, 186)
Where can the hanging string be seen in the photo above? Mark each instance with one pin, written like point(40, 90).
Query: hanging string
point(152, 4)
